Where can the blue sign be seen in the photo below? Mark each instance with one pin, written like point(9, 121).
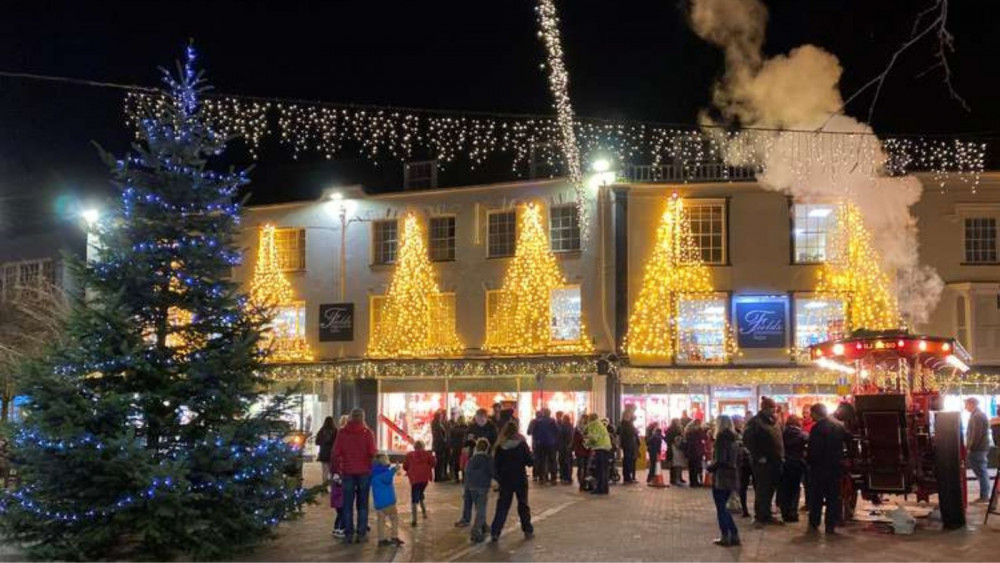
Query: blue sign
point(761, 322)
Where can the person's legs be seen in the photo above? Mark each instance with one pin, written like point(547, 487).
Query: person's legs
point(552, 466)
point(393, 516)
point(726, 524)
point(380, 524)
point(817, 494)
point(325, 468)
point(652, 468)
point(363, 489)
point(832, 504)
point(978, 463)
point(762, 493)
point(794, 492)
point(503, 507)
point(581, 471)
point(466, 508)
point(441, 467)
point(523, 510)
point(628, 465)
point(480, 499)
point(602, 471)
point(350, 493)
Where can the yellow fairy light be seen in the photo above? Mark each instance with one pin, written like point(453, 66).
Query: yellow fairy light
point(269, 289)
point(522, 323)
point(856, 275)
point(673, 273)
point(409, 326)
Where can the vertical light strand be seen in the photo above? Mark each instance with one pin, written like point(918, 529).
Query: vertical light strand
point(548, 24)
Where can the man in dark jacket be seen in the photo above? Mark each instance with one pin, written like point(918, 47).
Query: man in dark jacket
point(456, 441)
point(629, 437)
point(351, 458)
point(794, 468)
point(762, 438)
point(440, 429)
point(545, 436)
point(482, 427)
point(565, 448)
point(824, 456)
point(977, 441)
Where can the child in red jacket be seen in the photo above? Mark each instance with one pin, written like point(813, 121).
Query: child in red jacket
point(419, 465)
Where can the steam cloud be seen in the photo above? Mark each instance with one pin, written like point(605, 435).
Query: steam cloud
point(800, 90)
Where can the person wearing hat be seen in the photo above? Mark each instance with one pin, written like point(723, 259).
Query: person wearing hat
point(762, 437)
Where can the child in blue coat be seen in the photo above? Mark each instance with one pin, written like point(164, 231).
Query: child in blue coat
point(384, 495)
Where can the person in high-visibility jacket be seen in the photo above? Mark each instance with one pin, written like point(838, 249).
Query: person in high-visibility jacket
point(599, 442)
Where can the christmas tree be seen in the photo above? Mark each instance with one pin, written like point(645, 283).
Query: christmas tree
point(269, 291)
point(522, 322)
point(139, 442)
point(414, 315)
point(674, 271)
point(855, 274)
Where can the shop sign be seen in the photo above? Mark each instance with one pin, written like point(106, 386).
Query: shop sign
point(336, 322)
point(761, 322)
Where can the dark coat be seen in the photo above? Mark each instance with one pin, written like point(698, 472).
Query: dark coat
point(579, 448)
point(488, 431)
point(725, 462)
point(762, 437)
point(565, 441)
point(545, 432)
point(795, 440)
point(510, 459)
point(695, 440)
point(479, 472)
point(457, 436)
point(826, 448)
point(325, 439)
point(629, 435)
point(439, 435)
point(654, 443)
point(670, 436)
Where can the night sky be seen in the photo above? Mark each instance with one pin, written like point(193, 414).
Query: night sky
point(627, 59)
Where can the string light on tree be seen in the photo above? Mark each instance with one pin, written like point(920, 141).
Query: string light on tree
point(522, 322)
point(674, 276)
point(411, 323)
point(548, 23)
point(271, 294)
point(855, 275)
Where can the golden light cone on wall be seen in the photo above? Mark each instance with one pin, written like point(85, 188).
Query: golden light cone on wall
point(270, 289)
point(673, 271)
point(408, 325)
point(855, 274)
point(522, 321)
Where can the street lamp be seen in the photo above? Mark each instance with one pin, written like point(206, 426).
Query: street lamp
point(90, 215)
point(338, 206)
point(601, 165)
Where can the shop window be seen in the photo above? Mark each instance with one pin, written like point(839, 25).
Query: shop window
point(406, 417)
point(290, 245)
point(702, 328)
point(289, 321)
point(442, 239)
point(818, 319)
point(564, 229)
point(384, 240)
point(812, 229)
point(980, 240)
point(708, 229)
point(564, 309)
point(501, 239)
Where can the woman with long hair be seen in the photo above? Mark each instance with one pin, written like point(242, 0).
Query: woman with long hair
point(726, 478)
point(511, 457)
point(324, 441)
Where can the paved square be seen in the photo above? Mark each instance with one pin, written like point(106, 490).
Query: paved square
point(634, 523)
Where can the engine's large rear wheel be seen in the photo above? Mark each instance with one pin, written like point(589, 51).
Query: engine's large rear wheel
point(949, 468)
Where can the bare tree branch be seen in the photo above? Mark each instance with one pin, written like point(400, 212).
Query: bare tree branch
point(945, 46)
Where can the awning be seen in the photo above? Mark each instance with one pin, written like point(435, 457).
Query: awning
point(438, 368)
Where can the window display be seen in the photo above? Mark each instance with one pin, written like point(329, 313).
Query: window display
point(564, 308)
point(663, 408)
point(405, 418)
point(701, 328)
point(818, 319)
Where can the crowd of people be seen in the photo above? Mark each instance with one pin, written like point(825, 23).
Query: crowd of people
point(779, 454)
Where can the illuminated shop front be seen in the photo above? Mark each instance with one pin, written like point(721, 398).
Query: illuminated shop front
point(406, 407)
point(662, 394)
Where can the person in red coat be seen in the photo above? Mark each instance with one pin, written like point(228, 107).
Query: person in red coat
point(352, 460)
point(419, 466)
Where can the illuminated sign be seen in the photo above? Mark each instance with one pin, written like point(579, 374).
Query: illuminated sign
point(761, 321)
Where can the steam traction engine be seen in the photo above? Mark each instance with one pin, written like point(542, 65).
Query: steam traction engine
point(902, 442)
